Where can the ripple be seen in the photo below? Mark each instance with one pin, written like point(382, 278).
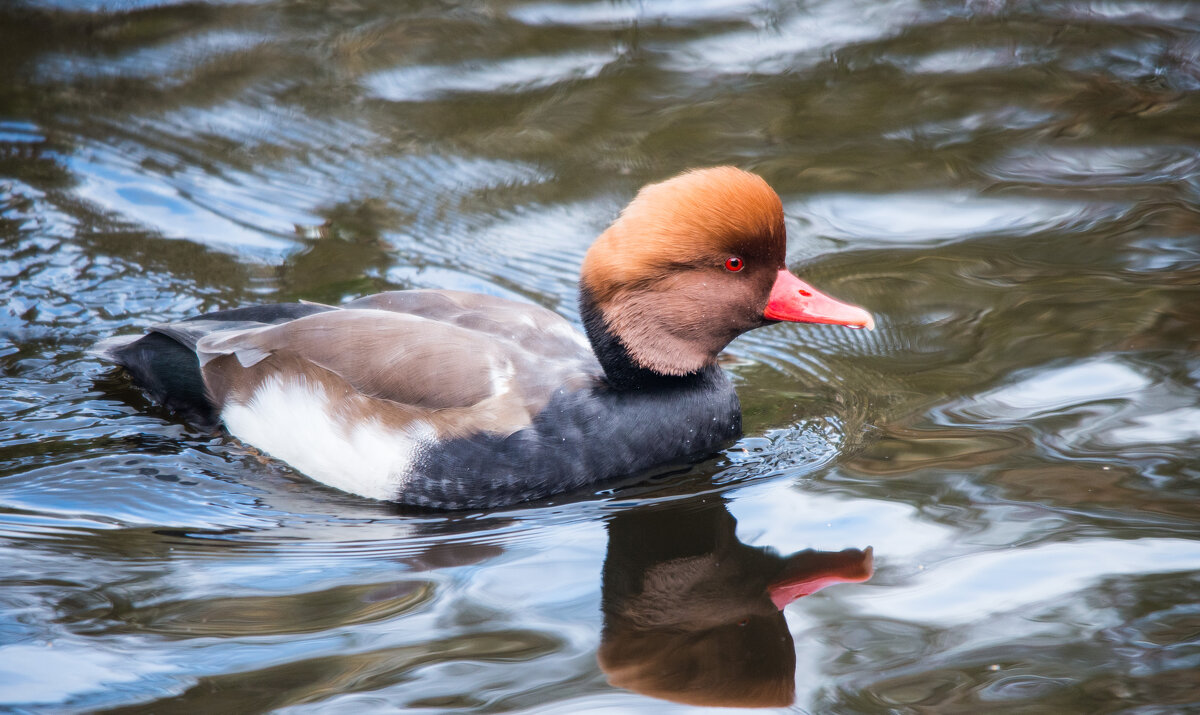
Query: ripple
point(966, 60)
point(1181, 426)
point(1096, 407)
point(1121, 11)
point(110, 491)
point(1098, 166)
point(37, 674)
point(256, 616)
point(1049, 391)
point(934, 219)
point(114, 184)
point(20, 133)
point(607, 13)
point(155, 64)
point(805, 38)
point(418, 83)
point(971, 588)
point(792, 451)
point(794, 519)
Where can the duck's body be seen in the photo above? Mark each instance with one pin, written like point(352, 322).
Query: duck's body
point(457, 400)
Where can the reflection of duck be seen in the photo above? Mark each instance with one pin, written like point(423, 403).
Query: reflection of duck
point(693, 615)
point(457, 400)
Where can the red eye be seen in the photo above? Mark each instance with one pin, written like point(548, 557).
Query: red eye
point(733, 263)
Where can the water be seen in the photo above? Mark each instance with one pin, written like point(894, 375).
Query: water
point(1013, 189)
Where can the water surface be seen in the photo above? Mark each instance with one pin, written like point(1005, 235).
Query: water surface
point(1012, 188)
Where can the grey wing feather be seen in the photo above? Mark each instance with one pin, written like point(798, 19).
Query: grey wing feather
point(395, 356)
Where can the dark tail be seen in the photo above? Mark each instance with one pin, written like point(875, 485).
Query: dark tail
point(169, 371)
point(163, 362)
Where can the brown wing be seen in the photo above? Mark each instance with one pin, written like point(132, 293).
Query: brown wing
point(541, 331)
point(483, 367)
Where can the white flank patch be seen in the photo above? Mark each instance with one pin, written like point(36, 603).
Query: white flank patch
point(292, 420)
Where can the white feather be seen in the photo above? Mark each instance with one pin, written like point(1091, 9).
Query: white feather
point(226, 342)
point(291, 420)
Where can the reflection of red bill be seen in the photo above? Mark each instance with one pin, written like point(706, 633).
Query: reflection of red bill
point(810, 571)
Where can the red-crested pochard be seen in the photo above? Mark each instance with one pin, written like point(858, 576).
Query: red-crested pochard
point(456, 400)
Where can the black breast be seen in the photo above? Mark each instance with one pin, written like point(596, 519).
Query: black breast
point(580, 438)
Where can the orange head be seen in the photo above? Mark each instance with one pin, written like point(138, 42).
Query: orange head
point(693, 262)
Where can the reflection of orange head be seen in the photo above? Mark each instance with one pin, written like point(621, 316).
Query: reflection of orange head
point(747, 663)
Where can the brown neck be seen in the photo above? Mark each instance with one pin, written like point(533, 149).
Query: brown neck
point(621, 367)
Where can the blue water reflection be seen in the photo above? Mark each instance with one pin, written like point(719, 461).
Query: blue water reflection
point(1013, 188)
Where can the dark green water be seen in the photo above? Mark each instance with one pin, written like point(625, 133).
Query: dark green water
point(1013, 188)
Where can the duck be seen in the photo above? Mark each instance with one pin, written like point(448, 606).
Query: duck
point(449, 400)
